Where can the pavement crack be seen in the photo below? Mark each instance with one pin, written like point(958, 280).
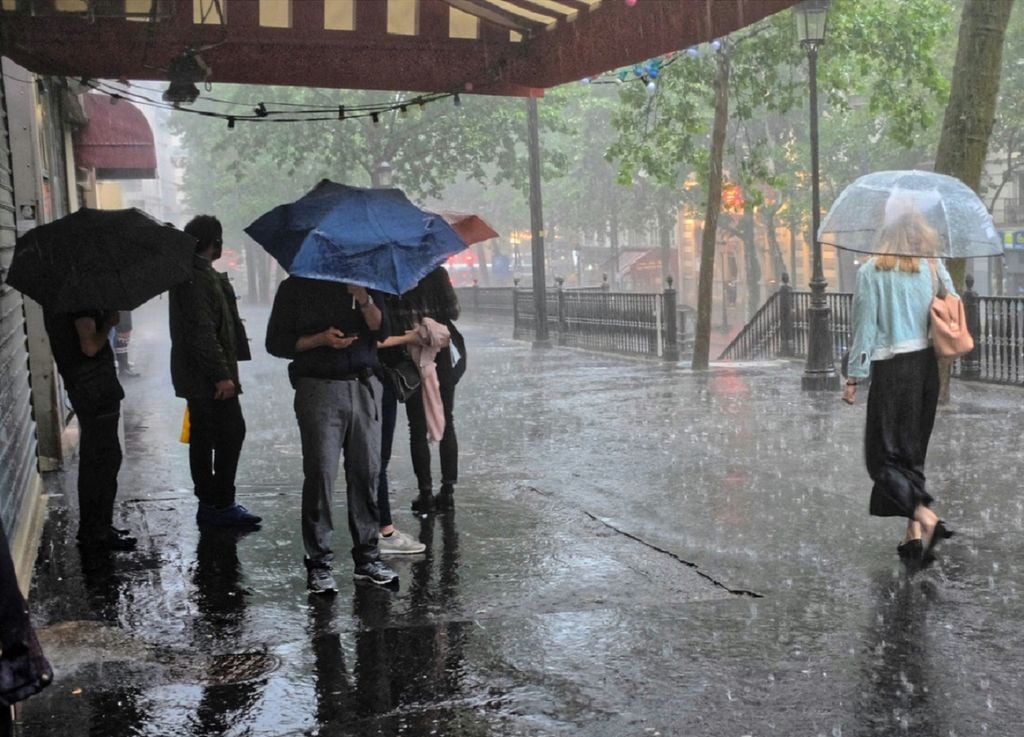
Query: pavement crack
point(689, 564)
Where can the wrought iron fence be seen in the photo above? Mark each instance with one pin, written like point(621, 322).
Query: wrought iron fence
point(484, 301)
point(780, 329)
point(616, 322)
point(644, 324)
point(998, 331)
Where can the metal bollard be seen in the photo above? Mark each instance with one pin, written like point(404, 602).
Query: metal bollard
point(970, 364)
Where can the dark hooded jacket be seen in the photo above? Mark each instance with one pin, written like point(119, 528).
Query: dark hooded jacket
point(207, 336)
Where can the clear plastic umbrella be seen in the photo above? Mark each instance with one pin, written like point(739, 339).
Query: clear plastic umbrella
point(876, 200)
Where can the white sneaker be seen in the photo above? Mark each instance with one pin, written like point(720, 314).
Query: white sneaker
point(398, 543)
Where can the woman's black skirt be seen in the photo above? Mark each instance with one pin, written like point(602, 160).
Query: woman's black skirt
point(901, 413)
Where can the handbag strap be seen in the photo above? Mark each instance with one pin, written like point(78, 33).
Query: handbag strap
point(938, 288)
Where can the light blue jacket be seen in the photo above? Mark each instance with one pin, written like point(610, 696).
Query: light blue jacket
point(890, 313)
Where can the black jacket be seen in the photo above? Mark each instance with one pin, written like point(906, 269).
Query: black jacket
point(207, 336)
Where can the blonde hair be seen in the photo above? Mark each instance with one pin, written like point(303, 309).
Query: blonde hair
point(903, 242)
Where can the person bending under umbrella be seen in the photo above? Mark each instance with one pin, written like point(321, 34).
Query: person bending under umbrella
point(207, 342)
point(330, 331)
point(85, 361)
point(891, 304)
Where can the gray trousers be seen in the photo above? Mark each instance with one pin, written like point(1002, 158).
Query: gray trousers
point(338, 417)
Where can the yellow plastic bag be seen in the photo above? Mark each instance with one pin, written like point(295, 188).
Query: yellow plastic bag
point(186, 427)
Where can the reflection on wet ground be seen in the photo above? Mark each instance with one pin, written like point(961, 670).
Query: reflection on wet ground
point(607, 510)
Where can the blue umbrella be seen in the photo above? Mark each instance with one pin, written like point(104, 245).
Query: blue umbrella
point(375, 238)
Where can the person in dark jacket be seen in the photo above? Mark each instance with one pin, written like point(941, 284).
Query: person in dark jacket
point(86, 363)
point(207, 342)
point(330, 331)
point(434, 297)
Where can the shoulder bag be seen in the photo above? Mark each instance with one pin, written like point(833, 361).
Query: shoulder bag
point(401, 374)
point(950, 337)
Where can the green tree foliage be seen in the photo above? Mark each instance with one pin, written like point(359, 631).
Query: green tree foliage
point(884, 54)
point(239, 173)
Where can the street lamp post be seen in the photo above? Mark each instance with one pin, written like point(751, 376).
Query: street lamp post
point(819, 371)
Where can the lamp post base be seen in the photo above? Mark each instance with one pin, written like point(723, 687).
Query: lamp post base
point(820, 381)
point(820, 369)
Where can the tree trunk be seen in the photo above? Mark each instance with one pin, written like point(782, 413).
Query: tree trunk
point(963, 144)
point(613, 237)
point(252, 294)
point(752, 264)
point(778, 262)
point(665, 242)
point(481, 260)
point(702, 342)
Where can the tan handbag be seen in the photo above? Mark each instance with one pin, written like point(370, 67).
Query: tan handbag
point(950, 337)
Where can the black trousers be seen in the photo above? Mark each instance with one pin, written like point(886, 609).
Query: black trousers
point(99, 460)
point(215, 444)
point(901, 413)
point(420, 448)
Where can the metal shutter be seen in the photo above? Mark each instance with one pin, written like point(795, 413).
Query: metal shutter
point(17, 429)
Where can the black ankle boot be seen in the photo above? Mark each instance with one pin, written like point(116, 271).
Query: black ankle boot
point(424, 503)
point(445, 500)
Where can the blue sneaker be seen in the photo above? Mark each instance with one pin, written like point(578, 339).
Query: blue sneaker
point(234, 516)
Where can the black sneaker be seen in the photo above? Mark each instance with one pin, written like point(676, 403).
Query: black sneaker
point(375, 572)
point(319, 580)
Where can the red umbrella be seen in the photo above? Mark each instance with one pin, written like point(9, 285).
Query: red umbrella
point(469, 227)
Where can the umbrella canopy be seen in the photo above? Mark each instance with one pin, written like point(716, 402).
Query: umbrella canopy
point(471, 228)
point(100, 260)
point(375, 238)
point(949, 206)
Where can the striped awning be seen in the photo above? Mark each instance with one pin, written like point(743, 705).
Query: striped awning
point(525, 17)
point(514, 47)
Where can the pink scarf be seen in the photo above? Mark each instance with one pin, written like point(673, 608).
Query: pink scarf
point(433, 337)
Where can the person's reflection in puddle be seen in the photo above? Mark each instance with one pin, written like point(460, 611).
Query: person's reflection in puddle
point(407, 670)
point(232, 684)
point(895, 695)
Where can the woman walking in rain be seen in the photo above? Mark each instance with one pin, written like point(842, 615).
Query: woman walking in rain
point(891, 304)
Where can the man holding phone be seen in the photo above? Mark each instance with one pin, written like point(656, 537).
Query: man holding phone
point(330, 332)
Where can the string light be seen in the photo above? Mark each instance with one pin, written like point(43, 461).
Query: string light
point(261, 112)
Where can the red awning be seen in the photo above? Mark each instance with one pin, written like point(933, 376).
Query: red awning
point(510, 47)
point(117, 141)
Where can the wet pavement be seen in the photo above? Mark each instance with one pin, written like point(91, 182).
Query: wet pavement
point(637, 550)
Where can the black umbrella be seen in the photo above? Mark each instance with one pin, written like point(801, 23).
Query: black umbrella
point(100, 260)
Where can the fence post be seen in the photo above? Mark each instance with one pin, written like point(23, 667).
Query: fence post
point(786, 316)
point(476, 297)
point(605, 286)
point(970, 365)
point(515, 308)
point(562, 337)
point(671, 342)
